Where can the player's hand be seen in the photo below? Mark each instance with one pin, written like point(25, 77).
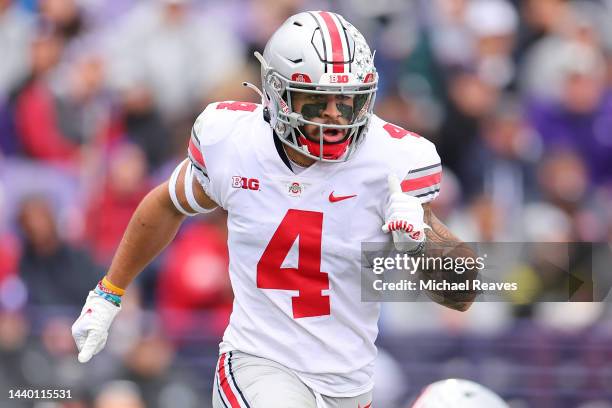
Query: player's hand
point(404, 218)
point(90, 330)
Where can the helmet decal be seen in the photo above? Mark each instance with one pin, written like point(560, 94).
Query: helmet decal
point(299, 77)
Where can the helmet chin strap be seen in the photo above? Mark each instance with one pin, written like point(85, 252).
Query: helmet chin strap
point(323, 150)
point(332, 152)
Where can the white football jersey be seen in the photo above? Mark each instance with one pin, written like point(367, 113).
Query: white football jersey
point(294, 240)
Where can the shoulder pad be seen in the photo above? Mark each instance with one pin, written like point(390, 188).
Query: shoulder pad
point(219, 119)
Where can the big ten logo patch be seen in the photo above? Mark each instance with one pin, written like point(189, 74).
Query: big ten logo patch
point(338, 79)
point(245, 183)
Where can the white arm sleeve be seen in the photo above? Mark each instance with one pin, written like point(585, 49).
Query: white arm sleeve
point(190, 175)
point(188, 187)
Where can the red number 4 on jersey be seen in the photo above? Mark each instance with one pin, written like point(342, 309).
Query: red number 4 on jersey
point(307, 278)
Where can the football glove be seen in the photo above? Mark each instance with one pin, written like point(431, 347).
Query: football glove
point(90, 330)
point(404, 218)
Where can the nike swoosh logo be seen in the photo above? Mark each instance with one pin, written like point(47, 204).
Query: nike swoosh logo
point(365, 406)
point(335, 199)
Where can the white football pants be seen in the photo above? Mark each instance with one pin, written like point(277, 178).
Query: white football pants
point(245, 381)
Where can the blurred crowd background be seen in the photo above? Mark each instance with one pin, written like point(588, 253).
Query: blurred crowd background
point(96, 103)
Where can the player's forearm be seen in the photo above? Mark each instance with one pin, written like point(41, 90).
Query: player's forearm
point(442, 243)
point(152, 227)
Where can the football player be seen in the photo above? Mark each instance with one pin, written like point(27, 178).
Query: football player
point(305, 177)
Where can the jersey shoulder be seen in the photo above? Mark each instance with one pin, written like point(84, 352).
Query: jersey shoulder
point(393, 142)
point(214, 132)
point(411, 156)
point(220, 120)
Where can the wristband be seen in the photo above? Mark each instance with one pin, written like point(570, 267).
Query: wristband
point(114, 299)
point(113, 289)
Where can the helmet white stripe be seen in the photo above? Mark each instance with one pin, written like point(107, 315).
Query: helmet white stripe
point(327, 44)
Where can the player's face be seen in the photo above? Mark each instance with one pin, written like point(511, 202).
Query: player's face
point(326, 109)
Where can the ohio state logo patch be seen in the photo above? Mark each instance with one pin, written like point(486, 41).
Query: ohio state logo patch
point(299, 77)
point(295, 189)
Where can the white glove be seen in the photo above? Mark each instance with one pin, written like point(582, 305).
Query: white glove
point(90, 330)
point(404, 218)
